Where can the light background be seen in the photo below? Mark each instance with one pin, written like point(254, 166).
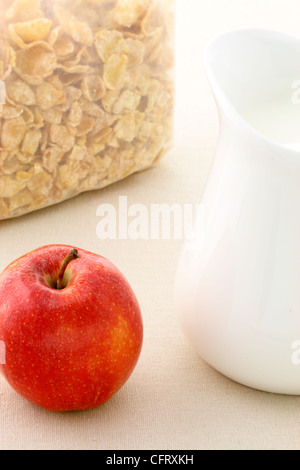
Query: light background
point(173, 400)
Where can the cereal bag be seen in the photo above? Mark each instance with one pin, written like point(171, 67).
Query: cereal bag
point(87, 96)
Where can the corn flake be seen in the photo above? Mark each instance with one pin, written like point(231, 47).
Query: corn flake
point(109, 99)
point(71, 94)
point(48, 96)
point(52, 115)
point(127, 12)
point(114, 71)
point(9, 186)
point(64, 46)
point(128, 101)
point(128, 126)
point(10, 112)
point(138, 79)
point(75, 115)
point(85, 126)
point(21, 92)
point(40, 179)
point(154, 18)
point(78, 30)
point(136, 51)
point(109, 42)
point(52, 157)
point(24, 10)
point(13, 131)
point(93, 109)
point(92, 87)
point(60, 135)
point(35, 63)
point(21, 199)
point(34, 30)
point(31, 142)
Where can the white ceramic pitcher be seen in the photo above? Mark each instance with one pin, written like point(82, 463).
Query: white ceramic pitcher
point(237, 289)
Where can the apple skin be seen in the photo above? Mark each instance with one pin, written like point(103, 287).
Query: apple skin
point(68, 349)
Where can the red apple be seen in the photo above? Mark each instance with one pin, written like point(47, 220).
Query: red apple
point(71, 327)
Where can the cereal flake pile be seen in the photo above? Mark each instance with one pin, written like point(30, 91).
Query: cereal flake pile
point(88, 93)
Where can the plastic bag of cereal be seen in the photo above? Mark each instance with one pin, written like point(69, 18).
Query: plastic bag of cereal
point(86, 96)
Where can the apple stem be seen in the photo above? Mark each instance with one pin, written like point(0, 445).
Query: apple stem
point(70, 257)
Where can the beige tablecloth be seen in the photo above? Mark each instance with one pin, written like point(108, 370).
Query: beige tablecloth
point(173, 400)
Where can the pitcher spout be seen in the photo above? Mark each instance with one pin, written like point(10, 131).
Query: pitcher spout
point(255, 78)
